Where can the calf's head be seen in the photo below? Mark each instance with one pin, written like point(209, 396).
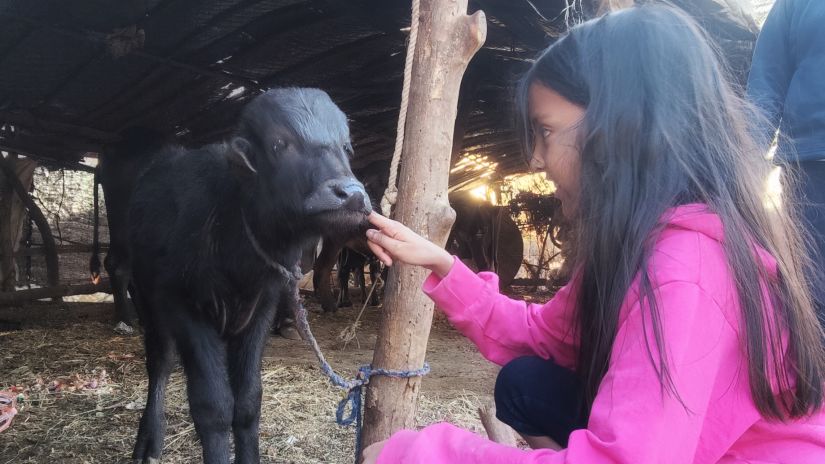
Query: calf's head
point(292, 148)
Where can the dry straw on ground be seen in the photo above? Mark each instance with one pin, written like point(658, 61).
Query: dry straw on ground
point(83, 388)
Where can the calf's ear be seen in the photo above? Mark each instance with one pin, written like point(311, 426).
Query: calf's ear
point(240, 157)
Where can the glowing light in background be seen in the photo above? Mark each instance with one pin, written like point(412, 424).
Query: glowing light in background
point(534, 182)
point(487, 185)
point(475, 162)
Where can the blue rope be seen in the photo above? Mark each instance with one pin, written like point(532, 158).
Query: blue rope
point(354, 398)
point(354, 387)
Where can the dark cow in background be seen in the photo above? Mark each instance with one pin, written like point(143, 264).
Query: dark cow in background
point(117, 172)
point(351, 261)
point(350, 258)
point(215, 235)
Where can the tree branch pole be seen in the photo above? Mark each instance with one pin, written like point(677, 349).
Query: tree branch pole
point(447, 40)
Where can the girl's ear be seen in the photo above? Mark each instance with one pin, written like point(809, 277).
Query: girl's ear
point(240, 156)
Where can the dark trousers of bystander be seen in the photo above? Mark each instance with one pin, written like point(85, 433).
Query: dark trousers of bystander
point(811, 177)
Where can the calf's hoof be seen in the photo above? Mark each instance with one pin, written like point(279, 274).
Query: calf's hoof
point(345, 304)
point(329, 307)
point(146, 461)
point(289, 331)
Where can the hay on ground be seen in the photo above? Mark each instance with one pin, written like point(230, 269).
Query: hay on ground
point(82, 389)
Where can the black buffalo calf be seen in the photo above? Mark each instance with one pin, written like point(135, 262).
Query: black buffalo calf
point(215, 234)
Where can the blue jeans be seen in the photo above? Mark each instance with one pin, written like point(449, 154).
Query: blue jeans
point(537, 397)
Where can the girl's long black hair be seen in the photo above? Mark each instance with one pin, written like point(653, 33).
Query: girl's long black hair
point(663, 127)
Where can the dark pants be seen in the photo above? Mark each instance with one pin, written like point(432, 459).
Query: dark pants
point(537, 397)
point(812, 188)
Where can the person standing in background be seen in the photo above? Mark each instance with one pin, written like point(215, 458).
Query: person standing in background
point(787, 81)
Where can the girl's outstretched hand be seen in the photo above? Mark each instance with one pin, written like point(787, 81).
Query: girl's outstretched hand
point(393, 241)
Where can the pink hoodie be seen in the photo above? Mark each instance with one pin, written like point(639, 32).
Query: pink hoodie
point(631, 421)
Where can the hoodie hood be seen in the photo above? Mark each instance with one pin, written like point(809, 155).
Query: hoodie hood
point(698, 217)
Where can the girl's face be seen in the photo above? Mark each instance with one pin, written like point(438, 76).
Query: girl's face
point(554, 121)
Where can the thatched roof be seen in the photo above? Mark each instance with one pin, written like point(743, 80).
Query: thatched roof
point(74, 74)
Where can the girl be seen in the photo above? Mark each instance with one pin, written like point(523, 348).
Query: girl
point(687, 334)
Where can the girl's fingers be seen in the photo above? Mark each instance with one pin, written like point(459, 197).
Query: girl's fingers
point(386, 225)
point(378, 220)
point(380, 253)
point(389, 244)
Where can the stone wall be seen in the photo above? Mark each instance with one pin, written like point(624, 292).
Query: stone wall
point(66, 199)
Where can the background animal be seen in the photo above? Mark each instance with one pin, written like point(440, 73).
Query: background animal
point(117, 172)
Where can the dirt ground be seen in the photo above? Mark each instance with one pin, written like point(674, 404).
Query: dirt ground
point(83, 387)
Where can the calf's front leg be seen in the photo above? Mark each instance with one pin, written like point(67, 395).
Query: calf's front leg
point(245, 351)
point(203, 354)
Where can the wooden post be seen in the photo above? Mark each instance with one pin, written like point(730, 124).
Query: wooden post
point(7, 206)
point(12, 216)
point(447, 40)
point(52, 271)
point(22, 296)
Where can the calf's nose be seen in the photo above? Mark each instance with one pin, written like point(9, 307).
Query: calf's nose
point(352, 195)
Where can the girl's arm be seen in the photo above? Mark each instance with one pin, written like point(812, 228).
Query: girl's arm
point(633, 419)
point(502, 328)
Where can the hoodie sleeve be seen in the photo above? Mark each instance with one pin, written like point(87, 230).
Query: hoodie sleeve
point(502, 328)
point(772, 66)
point(633, 419)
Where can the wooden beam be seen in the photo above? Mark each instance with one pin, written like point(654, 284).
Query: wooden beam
point(447, 40)
point(278, 77)
point(43, 149)
point(35, 124)
point(100, 39)
point(56, 291)
point(77, 70)
point(59, 249)
point(135, 89)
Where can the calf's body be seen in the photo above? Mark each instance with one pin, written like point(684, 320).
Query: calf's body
point(215, 235)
